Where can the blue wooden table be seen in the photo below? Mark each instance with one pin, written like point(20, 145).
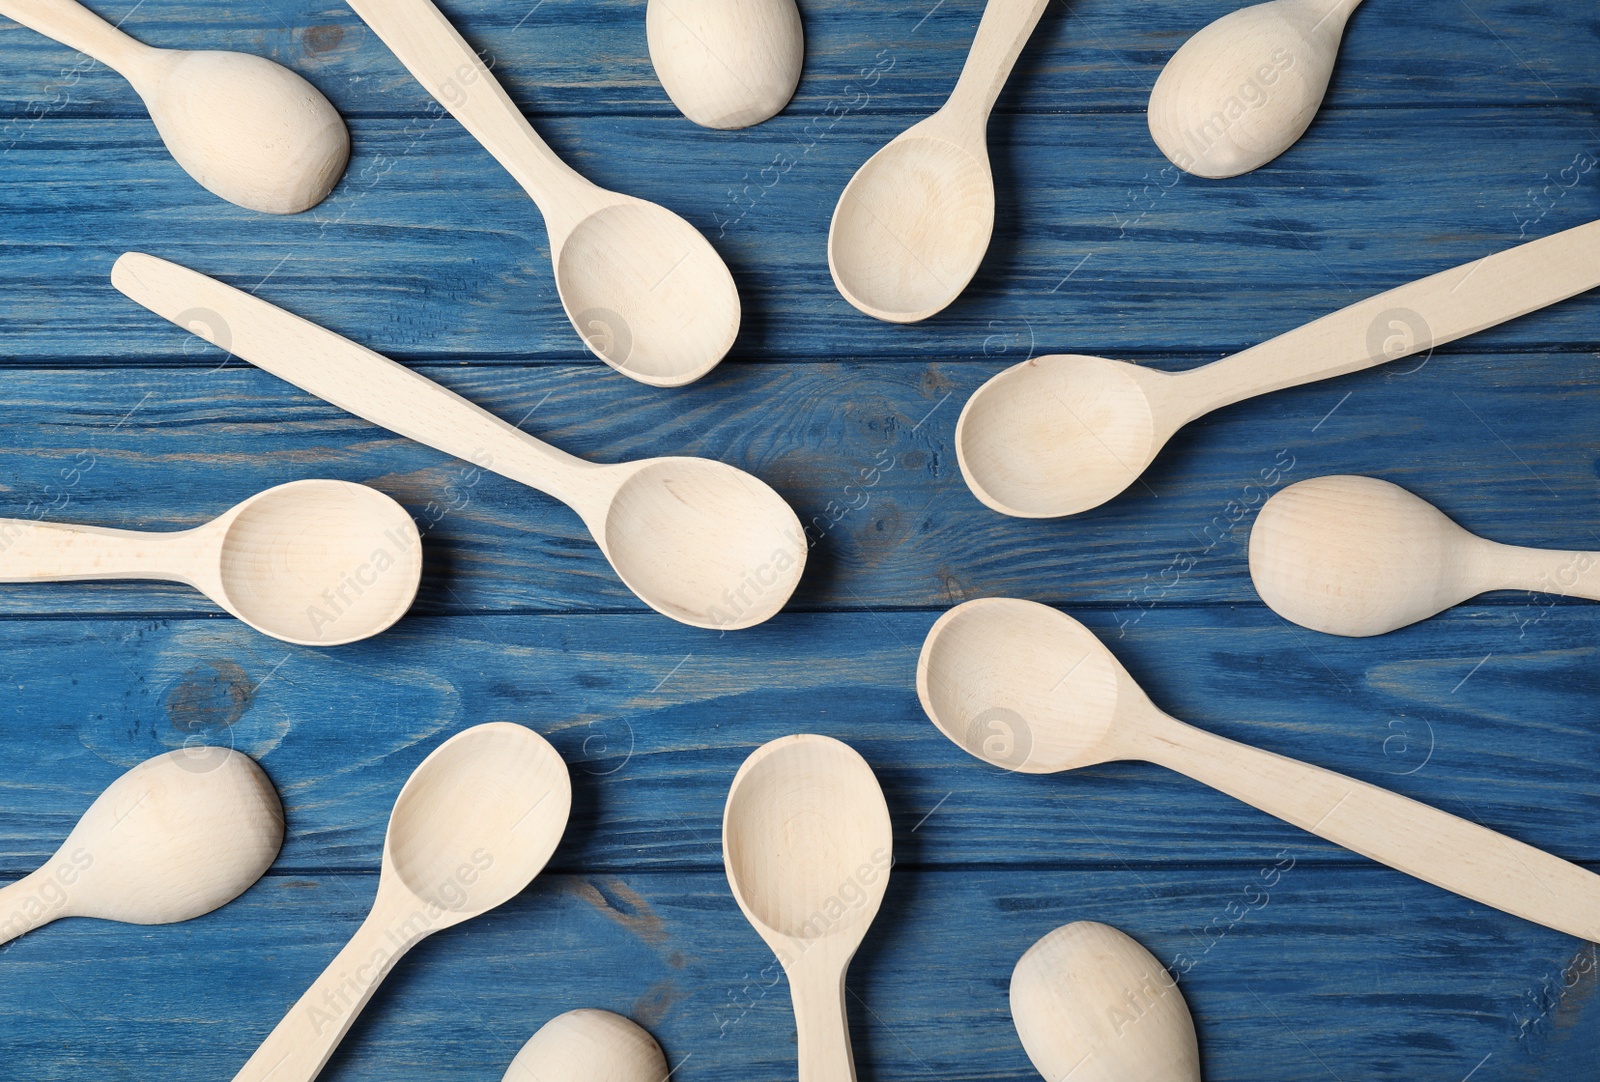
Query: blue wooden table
point(1454, 128)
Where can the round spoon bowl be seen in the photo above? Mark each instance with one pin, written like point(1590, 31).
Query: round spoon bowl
point(648, 293)
point(248, 130)
point(704, 543)
point(911, 227)
point(589, 1046)
point(1358, 556)
point(1019, 685)
point(176, 837)
point(1091, 1004)
point(726, 63)
point(1058, 435)
point(804, 816)
point(1245, 88)
point(478, 819)
point(320, 563)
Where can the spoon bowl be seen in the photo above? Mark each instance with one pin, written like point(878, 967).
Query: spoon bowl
point(1020, 686)
point(1027, 688)
point(703, 543)
point(1359, 556)
point(726, 63)
point(246, 129)
point(648, 293)
point(1092, 1005)
point(174, 838)
point(589, 1046)
point(474, 824)
point(1062, 434)
point(807, 844)
point(912, 226)
point(1244, 89)
point(319, 556)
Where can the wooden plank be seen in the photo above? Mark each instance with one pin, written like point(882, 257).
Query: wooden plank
point(1503, 442)
point(565, 56)
point(428, 251)
point(655, 719)
point(1405, 966)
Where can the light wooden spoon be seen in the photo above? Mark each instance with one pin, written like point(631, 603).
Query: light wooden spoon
point(914, 222)
point(1058, 435)
point(247, 129)
point(807, 845)
point(1092, 1005)
point(695, 539)
point(1241, 91)
point(316, 563)
point(589, 1046)
point(1028, 688)
point(726, 63)
point(648, 293)
point(473, 826)
point(1358, 556)
point(172, 839)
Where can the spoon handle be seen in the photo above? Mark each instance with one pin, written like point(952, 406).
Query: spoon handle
point(34, 551)
point(822, 1027)
point(1544, 571)
point(76, 27)
point(345, 374)
point(303, 1042)
point(448, 68)
point(32, 902)
point(1002, 32)
point(1413, 318)
point(1436, 847)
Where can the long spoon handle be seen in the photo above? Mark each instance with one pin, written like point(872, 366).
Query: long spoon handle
point(822, 1028)
point(448, 68)
point(349, 376)
point(32, 551)
point(1436, 847)
point(303, 1042)
point(1411, 319)
point(77, 27)
point(1004, 29)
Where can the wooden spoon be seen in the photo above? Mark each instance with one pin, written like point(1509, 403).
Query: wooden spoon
point(473, 826)
point(589, 1046)
point(247, 129)
point(807, 845)
point(1057, 435)
point(914, 222)
point(695, 539)
point(1091, 1005)
point(1241, 91)
point(172, 839)
point(1028, 688)
point(316, 563)
point(647, 292)
point(1359, 556)
point(726, 63)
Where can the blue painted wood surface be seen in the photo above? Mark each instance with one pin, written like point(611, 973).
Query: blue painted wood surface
point(1445, 136)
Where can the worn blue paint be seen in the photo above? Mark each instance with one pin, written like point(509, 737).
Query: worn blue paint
point(1445, 136)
